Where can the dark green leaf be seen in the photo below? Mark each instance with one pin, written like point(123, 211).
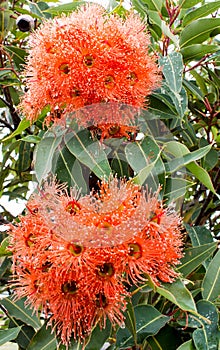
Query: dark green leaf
point(98, 336)
point(199, 235)
point(148, 322)
point(7, 335)
point(194, 257)
point(18, 310)
point(176, 188)
point(198, 31)
point(211, 281)
point(24, 160)
point(43, 340)
point(197, 51)
point(206, 337)
point(187, 346)
point(166, 339)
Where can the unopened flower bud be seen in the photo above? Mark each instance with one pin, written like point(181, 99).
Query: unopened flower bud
point(25, 23)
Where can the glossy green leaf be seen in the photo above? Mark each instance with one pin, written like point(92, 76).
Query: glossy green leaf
point(148, 322)
point(7, 335)
point(23, 125)
point(130, 321)
point(31, 138)
point(45, 151)
point(18, 310)
point(43, 340)
point(198, 31)
point(188, 345)
point(194, 257)
point(197, 51)
point(211, 281)
point(178, 294)
point(98, 336)
point(88, 152)
point(201, 11)
point(206, 336)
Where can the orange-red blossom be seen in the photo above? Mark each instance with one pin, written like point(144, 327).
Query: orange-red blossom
point(73, 255)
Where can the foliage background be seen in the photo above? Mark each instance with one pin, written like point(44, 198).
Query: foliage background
point(185, 36)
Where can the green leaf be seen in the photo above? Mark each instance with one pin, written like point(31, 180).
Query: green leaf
point(130, 321)
point(188, 345)
point(43, 340)
point(7, 335)
point(144, 158)
point(4, 248)
point(98, 336)
point(24, 160)
point(211, 281)
point(154, 5)
point(184, 156)
point(202, 175)
point(23, 125)
point(176, 188)
point(201, 11)
point(148, 322)
point(198, 31)
point(17, 54)
point(178, 294)
point(193, 89)
point(199, 235)
point(88, 152)
point(197, 51)
point(188, 3)
point(45, 151)
point(65, 8)
point(18, 310)
point(194, 257)
point(31, 138)
point(68, 169)
point(172, 65)
point(166, 339)
point(206, 337)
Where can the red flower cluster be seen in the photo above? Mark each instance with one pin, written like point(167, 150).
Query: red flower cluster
point(86, 58)
point(74, 255)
